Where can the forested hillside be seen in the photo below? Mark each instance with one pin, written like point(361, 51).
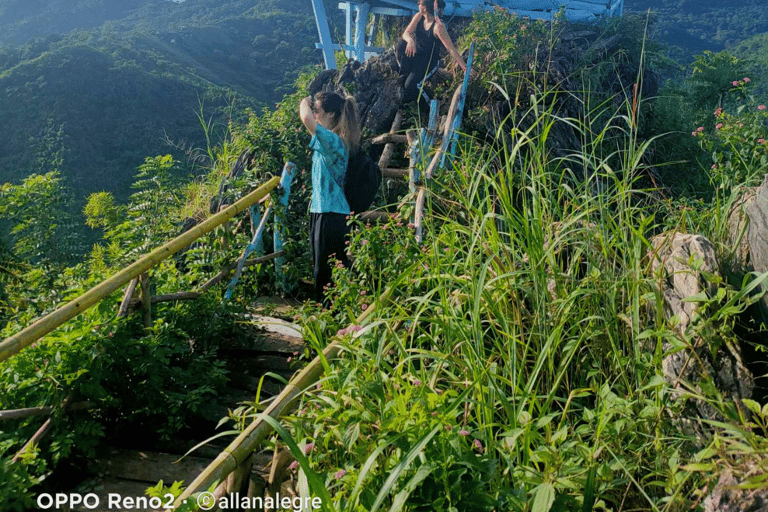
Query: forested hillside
point(695, 26)
point(105, 98)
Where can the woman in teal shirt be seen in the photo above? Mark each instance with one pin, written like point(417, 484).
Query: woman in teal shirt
point(334, 125)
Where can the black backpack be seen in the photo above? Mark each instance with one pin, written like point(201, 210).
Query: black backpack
point(362, 181)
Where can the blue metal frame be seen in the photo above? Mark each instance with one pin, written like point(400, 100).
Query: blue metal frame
point(355, 45)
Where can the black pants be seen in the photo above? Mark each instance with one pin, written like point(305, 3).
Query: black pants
point(414, 71)
point(327, 234)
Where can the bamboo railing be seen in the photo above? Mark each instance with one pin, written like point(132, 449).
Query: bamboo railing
point(51, 321)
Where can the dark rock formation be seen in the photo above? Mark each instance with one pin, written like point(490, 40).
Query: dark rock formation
point(373, 84)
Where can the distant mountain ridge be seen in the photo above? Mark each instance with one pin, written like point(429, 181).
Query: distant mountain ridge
point(106, 97)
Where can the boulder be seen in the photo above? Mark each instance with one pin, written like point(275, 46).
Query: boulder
point(682, 262)
point(726, 497)
point(748, 235)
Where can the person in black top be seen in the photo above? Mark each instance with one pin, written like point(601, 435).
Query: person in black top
point(418, 53)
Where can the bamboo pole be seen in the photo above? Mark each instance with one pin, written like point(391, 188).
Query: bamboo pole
point(125, 305)
point(390, 172)
point(437, 158)
point(146, 300)
point(41, 432)
point(244, 444)
point(18, 414)
point(386, 138)
point(418, 219)
point(169, 297)
point(389, 149)
point(49, 322)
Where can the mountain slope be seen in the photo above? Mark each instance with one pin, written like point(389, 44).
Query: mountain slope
point(105, 98)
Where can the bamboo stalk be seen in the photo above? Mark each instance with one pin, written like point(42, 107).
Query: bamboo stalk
point(245, 443)
point(447, 135)
point(146, 300)
point(389, 149)
point(389, 172)
point(386, 138)
point(41, 432)
point(418, 219)
point(169, 297)
point(127, 296)
point(415, 152)
point(49, 322)
point(225, 272)
point(17, 414)
point(373, 216)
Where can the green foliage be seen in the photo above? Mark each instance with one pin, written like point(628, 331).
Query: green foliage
point(737, 144)
point(712, 77)
point(41, 227)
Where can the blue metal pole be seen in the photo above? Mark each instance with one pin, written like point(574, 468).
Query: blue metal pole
point(361, 20)
point(326, 45)
point(460, 107)
point(255, 245)
point(280, 221)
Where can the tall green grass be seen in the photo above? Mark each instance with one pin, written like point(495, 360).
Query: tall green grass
point(519, 367)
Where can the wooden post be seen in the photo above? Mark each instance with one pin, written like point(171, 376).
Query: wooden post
point(49, 322)
point(146, 300)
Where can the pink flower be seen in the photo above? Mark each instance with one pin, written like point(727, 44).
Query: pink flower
point(355, 328)
point(718, 111)
point(364, 242)
point(700, 129)
point(761, 141)
point(364, 307)
point(735, 83)
point(761, 107)
point(714, 166)
point(718, 126)
point(417, 383)
point(464, 432)
point(746, 79)
point(294, 465)
point(478, 444)
point(693, 134)
point(308, 448)
point(340, 473)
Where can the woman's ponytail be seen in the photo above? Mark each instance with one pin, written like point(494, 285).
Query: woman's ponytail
point(349, 125)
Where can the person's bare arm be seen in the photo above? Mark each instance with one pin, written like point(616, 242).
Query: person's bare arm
point(408, 35)
point(306, 115)
point(442, 34)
